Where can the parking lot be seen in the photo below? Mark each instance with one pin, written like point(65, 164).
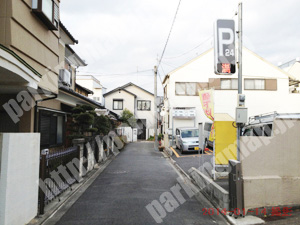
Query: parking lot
point(196, 159)
point(191, 159)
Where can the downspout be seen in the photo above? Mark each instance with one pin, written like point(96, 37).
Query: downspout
point(36, 111)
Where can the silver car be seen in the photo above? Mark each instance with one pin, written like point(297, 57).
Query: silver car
point(187, 139)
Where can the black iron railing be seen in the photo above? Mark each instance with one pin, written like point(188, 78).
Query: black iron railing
point(57, 173)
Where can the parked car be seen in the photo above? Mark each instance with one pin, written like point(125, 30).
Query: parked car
point(206, 133)
point(187, 139)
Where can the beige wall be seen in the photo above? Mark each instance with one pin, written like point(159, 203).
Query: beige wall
point(271, 166)
point(52, 104)
point(27, 36)
point(26, 123)
point(5, 14)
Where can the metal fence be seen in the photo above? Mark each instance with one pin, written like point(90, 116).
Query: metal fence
point(51, 162)
point(51, 180)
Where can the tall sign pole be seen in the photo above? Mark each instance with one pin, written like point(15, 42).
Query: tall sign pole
point(155, 109)
point(240, 76)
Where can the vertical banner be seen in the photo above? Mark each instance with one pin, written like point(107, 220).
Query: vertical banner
point(207, 101)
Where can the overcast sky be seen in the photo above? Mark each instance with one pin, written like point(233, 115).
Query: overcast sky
point(118, 38)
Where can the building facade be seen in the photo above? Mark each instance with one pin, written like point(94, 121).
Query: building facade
point(137, 100)
point(266, 88)
point(93, 84)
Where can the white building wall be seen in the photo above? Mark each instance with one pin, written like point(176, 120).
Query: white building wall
point(90, 83)
point(148, 115)
point(128, 101)
point(98, 94)
point(19, 176)
point(257, 102)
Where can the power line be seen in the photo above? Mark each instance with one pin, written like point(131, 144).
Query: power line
point(115, 74)
point(163, 52)
point(168, 64)
point(190, 49)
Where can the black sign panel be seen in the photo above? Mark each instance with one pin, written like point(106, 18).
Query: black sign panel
point(224, 47)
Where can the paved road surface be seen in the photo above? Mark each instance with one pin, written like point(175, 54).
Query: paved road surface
point(119, 195)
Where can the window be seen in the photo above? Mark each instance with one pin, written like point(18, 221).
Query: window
point(187, 88)
point(257, 131)
point(143, 105)
point(51, 128)
point(247, 132)
point(47, 11)
point(118, 104)
point(207, 127)
point(190, 89)
point(180, 88)
point(97, 99)
point(229, 84)
point(189, 133)
point(254, 84)
point(268, 130)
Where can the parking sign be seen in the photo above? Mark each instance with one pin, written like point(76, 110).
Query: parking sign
point(224, 47)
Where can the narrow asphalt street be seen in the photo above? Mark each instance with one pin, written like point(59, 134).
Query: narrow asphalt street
point(120, 194)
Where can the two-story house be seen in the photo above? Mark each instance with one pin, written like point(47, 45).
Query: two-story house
point(137, 100)
point(266, 88)
point(29, 68)
point(29, 57)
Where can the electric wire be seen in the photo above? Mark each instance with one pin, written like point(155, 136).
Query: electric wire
point(163, 52)
point(173, 57)
point(114, 74)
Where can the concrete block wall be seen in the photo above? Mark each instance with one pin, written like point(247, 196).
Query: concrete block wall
point(19, 175)
point(270, 166)
point(215, 193)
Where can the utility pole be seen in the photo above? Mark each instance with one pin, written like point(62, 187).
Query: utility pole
point(155, 109)
point(240, 76)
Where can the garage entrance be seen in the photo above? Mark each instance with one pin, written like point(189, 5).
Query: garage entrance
point(141, 126)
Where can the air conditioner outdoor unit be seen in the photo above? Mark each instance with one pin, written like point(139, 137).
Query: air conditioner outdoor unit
point(65, 76)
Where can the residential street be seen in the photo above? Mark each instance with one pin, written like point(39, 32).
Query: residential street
point(120, 194)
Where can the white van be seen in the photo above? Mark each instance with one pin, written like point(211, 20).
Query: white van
point(206, 133)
